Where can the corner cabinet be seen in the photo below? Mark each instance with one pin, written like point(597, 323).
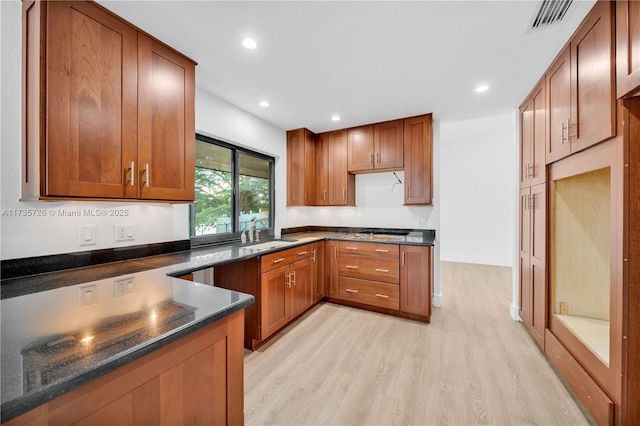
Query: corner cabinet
point(301, 170)
point(108, 111)
point(335, 186)
point(418, 158)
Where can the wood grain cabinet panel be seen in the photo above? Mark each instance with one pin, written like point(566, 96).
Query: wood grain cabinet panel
point(581, 87)
point(342, 184)
point(418, 158)
point(369, 293)
point(533, 137)
point(416, 271)
point(376, 147)
point(331, 264)
point(166, 123)
point(109, 112)
point(627, 47)
point(318, 274)
point(301, 168)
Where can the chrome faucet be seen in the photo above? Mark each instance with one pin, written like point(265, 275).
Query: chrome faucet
point(257, 232)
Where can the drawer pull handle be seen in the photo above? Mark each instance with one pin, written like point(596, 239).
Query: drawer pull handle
point(278, 260)
point(302, 253)
point(351, 248)
point(349, 290)
point(351, 267)
point(384, 296)
point(382, 270)
point(382, 251)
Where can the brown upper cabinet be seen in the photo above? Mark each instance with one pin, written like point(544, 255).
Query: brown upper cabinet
point(341, 183)
point(580, 84)
point(109, 111)
point(301, 172)
point(532, 137)
point(418, 154)
point(628, 47)
point(376, 147)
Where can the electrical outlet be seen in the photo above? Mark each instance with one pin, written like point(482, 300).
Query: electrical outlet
point(88, 235)
point(124, 286)
point(124, 232)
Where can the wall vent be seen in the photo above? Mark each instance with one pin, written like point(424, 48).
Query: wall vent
point(548, 13)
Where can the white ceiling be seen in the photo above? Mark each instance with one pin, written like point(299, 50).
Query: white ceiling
point(367, 61)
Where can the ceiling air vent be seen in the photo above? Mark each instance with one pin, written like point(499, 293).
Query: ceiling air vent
point(548, 13)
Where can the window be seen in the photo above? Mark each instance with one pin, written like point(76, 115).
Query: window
point(234, 186)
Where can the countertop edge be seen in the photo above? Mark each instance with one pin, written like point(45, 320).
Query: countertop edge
point(18, 406)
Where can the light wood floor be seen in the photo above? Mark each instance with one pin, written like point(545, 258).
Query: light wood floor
point(472, 365)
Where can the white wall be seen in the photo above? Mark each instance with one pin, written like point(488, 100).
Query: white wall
point(478, 185)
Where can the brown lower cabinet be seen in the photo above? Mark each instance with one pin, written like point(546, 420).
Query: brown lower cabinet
point(198, 379)
point(389, 278)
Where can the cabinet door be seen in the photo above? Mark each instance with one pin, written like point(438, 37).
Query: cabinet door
point(166, 123)
point(525, 255)
point(537, 262)
point(627, 46)
point(274, 292)
point(538, 170)
point(593, 107)
point(526, 141)
point(318, 275)
point(295, 167)
point(360, 154)
point(322, 169)
point(418, 160)
point(558, 82)
point(301, 290)
point(332, 274)
point(341, 182)
point(389, 145)
point(416, 273)
point(91, 69)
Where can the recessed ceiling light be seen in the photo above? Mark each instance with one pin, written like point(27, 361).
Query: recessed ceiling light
point(335, 117)
point(249, 43)
point(482, 88)
point(264, 104)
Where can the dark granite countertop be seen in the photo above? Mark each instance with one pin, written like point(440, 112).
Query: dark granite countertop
point(46, 316)
point(57, 340)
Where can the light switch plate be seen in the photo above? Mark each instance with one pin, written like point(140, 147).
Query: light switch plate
point(124, 232)
point(88, 235)
point(88, 295)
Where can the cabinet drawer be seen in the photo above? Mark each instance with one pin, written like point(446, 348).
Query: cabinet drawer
point(369, 268)
point(369, 249)
point(370, 293)
point(283, 257)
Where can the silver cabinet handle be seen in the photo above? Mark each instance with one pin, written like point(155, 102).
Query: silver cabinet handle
point(382, 270)
point(314, 256)
point(403, 258)
point(278, 260)
point(294, 278)
point(288, 281)
point(344, 194)
point(132, 170)
point(532, 202)
point(351, 248)
point(382, 251)
point(147, 177)
point(335, 252)
point(384, 296)
point(301, 253)
point(371, 157)
point(351, 267)
point(324, 195)
point(349, 290)
point(378, 155)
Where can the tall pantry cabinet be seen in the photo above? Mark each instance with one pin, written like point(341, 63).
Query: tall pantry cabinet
point(579, 213)
point(108, 110)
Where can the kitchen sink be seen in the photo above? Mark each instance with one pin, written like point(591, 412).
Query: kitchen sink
point(270, 244)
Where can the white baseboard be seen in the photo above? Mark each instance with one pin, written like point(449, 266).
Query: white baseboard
point(437, 300)
point(478, 260)
point(514, 312)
